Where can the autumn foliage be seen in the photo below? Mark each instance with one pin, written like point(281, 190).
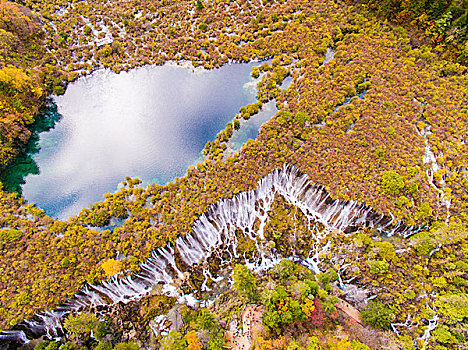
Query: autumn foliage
point(359, 124)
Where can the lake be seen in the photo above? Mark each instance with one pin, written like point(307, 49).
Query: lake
point(150, 122)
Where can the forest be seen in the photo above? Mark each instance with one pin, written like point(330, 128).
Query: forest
point(384, 122)
point(439, 23)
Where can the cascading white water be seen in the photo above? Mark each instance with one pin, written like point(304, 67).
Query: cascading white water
point(429, 157)
point(214, 229)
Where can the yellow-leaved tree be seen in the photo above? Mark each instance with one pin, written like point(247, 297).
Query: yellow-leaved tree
point(112, 267)
point(192, 341)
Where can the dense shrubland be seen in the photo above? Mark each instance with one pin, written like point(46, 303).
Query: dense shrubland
point(358, 125)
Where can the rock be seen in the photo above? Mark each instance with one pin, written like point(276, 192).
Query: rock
point(157, 290)
point(355, 295)
point(174, 316)
point(233, 326)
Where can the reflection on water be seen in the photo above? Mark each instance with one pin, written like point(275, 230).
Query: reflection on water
point(150, 123)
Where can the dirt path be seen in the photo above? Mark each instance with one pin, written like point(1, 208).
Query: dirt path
point(349, 310)
point(251, 317)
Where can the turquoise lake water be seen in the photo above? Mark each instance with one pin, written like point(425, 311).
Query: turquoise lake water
point(150, 122)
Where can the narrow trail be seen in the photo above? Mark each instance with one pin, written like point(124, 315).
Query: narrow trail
point(251, 318)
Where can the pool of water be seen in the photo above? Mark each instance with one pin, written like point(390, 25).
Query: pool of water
point(250, 128)
point(151, 123)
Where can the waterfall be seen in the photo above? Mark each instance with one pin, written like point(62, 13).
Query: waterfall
point(215, 233)
point(429, 157)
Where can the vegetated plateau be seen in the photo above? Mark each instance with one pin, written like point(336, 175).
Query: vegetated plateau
point(382, 123)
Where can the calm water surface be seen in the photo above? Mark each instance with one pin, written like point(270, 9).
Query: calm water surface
point(150, 123)
point(249, 129)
